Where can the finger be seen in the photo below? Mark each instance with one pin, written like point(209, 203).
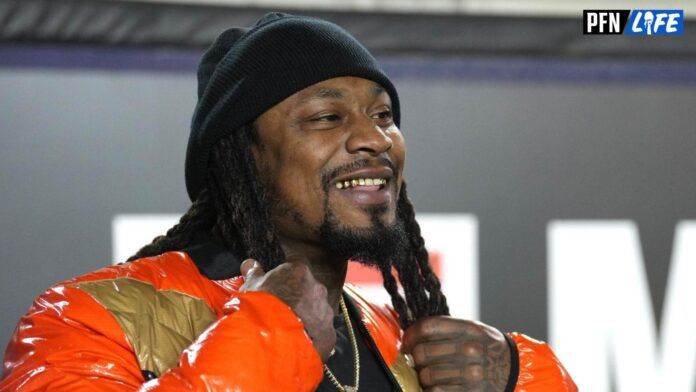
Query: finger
point(326, 343)
point(424, 329)
point(448, 388)
point(440, 328)
point(251, 268)
point(302, 270)
point(451, 374)
point(293, 256)
point(246, 266)
point(428, 353)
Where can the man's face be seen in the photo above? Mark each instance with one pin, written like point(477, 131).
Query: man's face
point(338, 131)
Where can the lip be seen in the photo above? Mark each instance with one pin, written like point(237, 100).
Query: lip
point(367, 172)
point(364, 196)
point(367, 197)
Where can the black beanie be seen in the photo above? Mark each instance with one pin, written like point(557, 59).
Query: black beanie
point(246, 71)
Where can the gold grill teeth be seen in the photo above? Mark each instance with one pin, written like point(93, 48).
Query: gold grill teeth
point(360, 181)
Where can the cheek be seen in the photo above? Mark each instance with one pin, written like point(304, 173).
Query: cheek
point(398, 150)
point(298, 177)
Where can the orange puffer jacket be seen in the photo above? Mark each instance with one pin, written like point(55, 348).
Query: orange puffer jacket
point(159, 324)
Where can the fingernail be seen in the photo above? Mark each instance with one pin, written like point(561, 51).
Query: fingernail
point(246, 262)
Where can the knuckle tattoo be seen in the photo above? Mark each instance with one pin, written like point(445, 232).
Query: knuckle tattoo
point(424, 375)
point(471, 349)
point(474, 372)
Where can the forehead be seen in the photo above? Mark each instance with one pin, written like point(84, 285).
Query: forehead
point(339, 88)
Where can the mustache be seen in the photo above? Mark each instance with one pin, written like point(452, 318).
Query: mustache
point(331, 174)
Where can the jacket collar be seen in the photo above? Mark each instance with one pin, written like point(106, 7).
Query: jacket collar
point(212, 258)
point(216, 262)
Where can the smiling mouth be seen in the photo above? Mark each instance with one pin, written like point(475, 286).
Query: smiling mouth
point(364, 184)
point(365, 191)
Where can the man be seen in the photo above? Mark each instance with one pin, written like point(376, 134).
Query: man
point(295, 163)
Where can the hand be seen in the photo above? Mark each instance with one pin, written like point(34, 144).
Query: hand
point(294, 284)
point(458, 355)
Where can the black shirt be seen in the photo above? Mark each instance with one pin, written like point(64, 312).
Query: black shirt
point(373, 375)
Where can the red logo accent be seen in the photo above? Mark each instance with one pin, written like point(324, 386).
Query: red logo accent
point(361, 275)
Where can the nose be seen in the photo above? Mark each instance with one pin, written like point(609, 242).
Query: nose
point(367, 136)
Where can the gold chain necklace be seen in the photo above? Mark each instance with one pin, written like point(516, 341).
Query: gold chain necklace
point(356, 357)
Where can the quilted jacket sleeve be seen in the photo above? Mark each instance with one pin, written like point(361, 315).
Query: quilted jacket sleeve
point(539, 369)
point(68, 342)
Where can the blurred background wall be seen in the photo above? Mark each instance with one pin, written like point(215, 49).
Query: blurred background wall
point(573, 155)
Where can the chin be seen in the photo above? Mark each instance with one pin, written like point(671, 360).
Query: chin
point(372, 238)
point(368, 217)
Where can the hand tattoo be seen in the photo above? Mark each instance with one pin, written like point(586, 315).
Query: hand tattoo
point(459, 354)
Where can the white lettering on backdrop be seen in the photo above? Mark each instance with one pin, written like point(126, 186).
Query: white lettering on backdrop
point(600, 312)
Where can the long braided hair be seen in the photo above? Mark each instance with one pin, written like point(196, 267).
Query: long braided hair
point(232, 208)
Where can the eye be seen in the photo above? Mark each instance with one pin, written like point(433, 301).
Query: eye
point(385, 114)
point(384, 117)
point(326, 118)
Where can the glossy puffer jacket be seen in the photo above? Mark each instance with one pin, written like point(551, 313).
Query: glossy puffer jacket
point(165, 324)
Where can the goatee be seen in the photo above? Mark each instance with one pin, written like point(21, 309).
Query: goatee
point(380, 245)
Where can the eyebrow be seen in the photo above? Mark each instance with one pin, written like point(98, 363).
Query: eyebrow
point(377, 90)
point(326, 92)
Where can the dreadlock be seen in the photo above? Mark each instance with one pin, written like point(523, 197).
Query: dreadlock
point(232, 209)
point(415, 271)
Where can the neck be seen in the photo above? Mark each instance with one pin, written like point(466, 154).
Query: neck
point(328, 269)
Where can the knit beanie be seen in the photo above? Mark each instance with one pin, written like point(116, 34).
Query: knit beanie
point(246, 71)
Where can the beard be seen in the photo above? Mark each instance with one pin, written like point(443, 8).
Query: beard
point(381, 245)
point(378, 246)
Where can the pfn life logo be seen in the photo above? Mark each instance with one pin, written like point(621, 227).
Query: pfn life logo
point(633, 22)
